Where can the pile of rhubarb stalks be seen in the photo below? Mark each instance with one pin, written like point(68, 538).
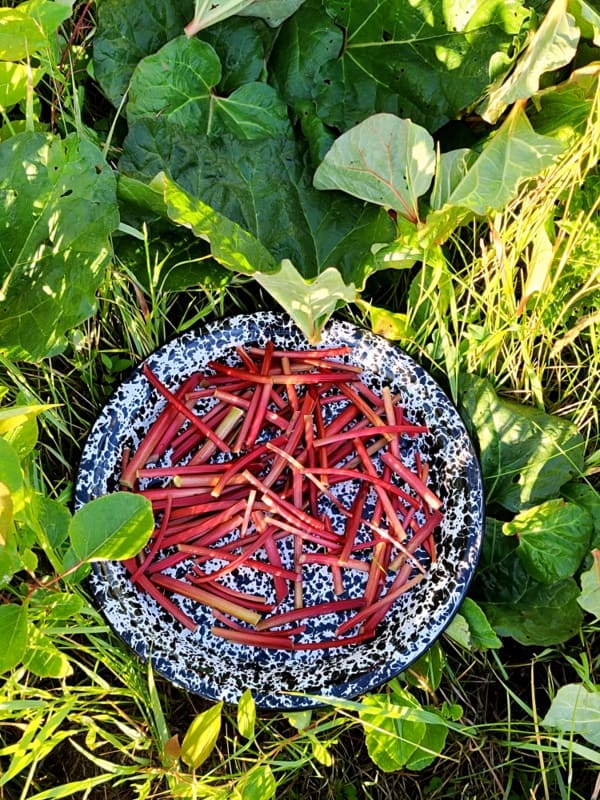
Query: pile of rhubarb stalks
point(281, 464)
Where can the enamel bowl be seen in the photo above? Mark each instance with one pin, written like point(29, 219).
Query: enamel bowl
point(218, 669)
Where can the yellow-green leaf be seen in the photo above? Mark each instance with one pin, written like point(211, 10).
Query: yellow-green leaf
point(589, 598)
point(201, 737)
point(112, 527)
point(246, 715)
point(6, 513)
point(258, 784)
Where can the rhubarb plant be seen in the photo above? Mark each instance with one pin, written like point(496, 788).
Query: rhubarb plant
point(270, 125)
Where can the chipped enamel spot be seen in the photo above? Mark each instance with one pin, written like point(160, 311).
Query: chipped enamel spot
point(217, 669)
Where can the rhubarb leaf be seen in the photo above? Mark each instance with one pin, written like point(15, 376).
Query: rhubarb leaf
point(589, 599)
point(552, 46)
point(526, 455)
point(553, 538)
point(526, 619)
point(183, 75)
point(209, 12)
point(384, 160)
point(58, 210)
point(231, 245)
point(309, 301)
point(587, 18)
point(129, 30)
point(423, 60)
point(278, 206)
point(515, 152)
point(274, 12)
point(575, 710)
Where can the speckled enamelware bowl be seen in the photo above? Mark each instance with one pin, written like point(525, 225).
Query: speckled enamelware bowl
point(218, 669)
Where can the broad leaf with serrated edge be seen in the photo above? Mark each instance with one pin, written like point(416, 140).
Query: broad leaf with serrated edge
point(424, 60)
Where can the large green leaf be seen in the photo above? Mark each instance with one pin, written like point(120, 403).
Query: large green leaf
point(397, 738)
point(231, 245)
point(589, 498)
point(545, 614)
point(48, 14)
point(129, 30)
point(576, 710)
point(514, 603)
point(384, 160)
point(553, 539)
point(209, 12)
point(310, 302)
point(526, 455)
point(514, 153)
point(114, 526)
point(57, 212)
point(6, 516)
point(450, 169)
point(563, 110)
point(426, 60)
point(552, 46)
point(24, 32)
point(587, 18)
point(500, 575)
point(265, 187)
point(183, 75)
point(274, 12)
point(13, 635)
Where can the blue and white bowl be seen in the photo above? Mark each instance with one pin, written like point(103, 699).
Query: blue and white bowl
point(218, 669)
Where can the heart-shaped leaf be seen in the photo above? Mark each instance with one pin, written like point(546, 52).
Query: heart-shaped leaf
point(384, 160)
